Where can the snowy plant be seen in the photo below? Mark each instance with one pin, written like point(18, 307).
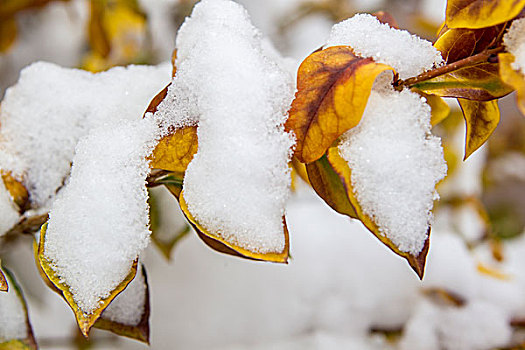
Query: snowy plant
point(222, 130)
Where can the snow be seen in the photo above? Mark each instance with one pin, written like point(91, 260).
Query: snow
point(50, 108)
point(129, 306)
point(13, 319)
point(237, 184)
point(408, 54)
point(99, 223)
point(514, 41)
point(8, 211)
point(396, 163)
point(476, 326)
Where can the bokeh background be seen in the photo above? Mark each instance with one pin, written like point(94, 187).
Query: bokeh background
point(342, 289)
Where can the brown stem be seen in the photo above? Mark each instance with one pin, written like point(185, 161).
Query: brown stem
point(465, 62)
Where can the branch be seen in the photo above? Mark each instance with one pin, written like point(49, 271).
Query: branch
point(481, 57)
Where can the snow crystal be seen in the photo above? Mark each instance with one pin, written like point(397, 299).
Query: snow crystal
point(514, 41)
point(396, 163)
point(8, 211)
point(13, 316)
point(98, 224)
point(127, 308)
point(238, 182)
point(408, 54)
point(50, 108)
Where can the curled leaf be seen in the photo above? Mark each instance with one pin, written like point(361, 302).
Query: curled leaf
point(513, 78)
point(330, 177)
point(85, 321)
point(481, 13)
point(220, 244)
point(28, 342)
point(139, 331)
point(481, 119)
point(333, 89)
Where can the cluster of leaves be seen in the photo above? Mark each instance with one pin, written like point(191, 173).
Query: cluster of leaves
point(334, 85)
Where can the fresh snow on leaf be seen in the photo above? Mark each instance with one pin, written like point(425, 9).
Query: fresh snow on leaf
point(514, 41)
point(408, 54)
point(12, 316)
point(50, 108)
point(8, 211)
point(128, 307)
point(99, 222)
point(238, 182)
point(395, 163)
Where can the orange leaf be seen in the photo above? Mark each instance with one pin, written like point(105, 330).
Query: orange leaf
point(481, 13)
point(333, 89)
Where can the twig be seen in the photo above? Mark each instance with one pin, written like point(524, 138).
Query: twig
point(465, 62)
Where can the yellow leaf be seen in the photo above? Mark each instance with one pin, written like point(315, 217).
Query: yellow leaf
point(512, 77)
point(117, 32)
point(481, 13)
point(175, 151)
point(481, 119)
point(16, 189)
point(333, 89)
point(223, 246)
point(492, 272)
point(440, 109)
point(140, 331)
point(8, 33)
point(330, 177)
point(85, 321)
point(299, 169)
point(28, 343)
point(4, 287)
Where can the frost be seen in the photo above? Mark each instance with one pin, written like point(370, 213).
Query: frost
point(8, 212)
point(408, 54)
point(237, 184)
point(98, 224)
point(514, 41)
point(128, 307)
point(50, 108)
point(12, 316)
point(396, 163)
